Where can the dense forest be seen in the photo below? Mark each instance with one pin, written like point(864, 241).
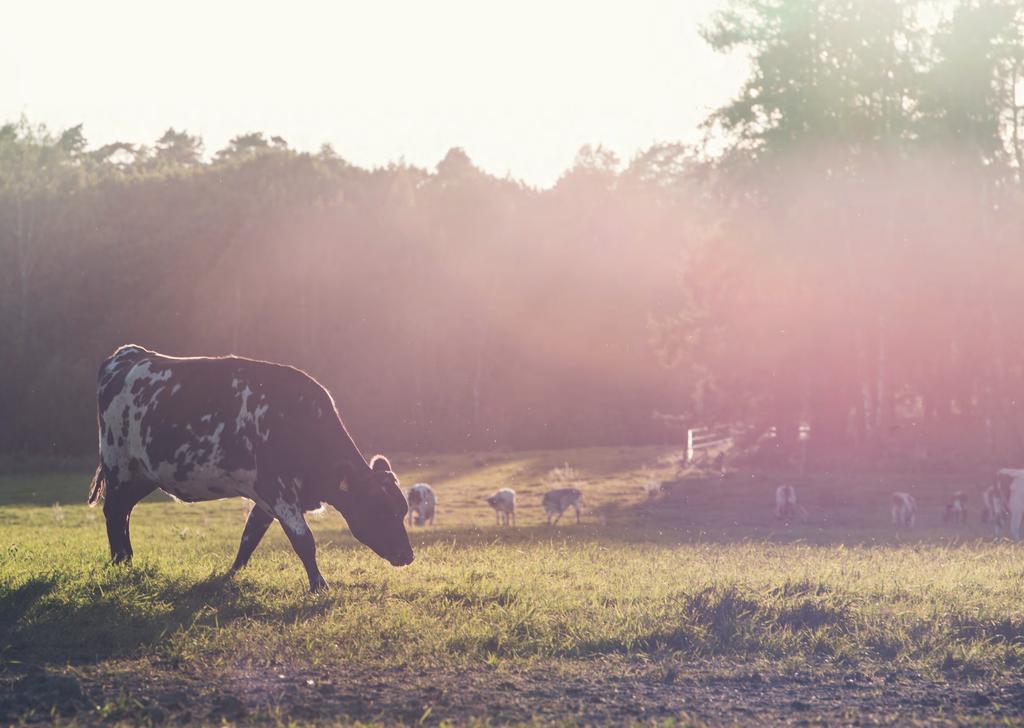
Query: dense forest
point(845, 250)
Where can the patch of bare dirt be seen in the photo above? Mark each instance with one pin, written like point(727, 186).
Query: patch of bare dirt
point(585, 692)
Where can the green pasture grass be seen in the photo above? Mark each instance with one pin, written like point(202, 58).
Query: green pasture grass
point(702, 574)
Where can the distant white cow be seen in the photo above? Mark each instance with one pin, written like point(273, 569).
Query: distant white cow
point(1010, 486)
point(786, 507)
point(956, 509)
point(904, 510)
point(653, 488)
point(556, 501)
point(422, 502)
point(504, 504)
point(995, 510)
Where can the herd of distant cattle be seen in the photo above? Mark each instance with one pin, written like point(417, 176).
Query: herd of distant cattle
point(1002, 505)
point(423, 504)
point(206, 428)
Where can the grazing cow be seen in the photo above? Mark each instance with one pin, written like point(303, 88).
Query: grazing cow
point(995, 509)
point(423, 503)
point(786, 507)
point(208, 428)
point(653, 488)
point(504, 504)
point(956, 509)
point(556, 501)
point(903, 510)
point(1010, 486)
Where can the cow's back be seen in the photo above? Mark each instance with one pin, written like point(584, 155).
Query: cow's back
point(198, 427)
point(561, 498)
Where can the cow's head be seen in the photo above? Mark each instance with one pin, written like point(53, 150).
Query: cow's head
point(375, 509)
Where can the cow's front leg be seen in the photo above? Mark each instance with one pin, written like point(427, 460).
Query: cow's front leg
point(295, 527)
point(257, 524)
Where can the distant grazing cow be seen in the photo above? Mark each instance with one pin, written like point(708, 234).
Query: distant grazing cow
point(209, 428)
point(556, 501)
point(1010, 486)
point(995, 510)
point(904, 510)
point(653, 488)
point(956, 509)
point(504, 504)
point(786, 507)
point(423, 503)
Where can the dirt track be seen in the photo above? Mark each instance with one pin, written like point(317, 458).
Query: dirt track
point(584, 692)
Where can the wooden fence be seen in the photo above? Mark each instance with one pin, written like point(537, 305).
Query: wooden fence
point(700, 439)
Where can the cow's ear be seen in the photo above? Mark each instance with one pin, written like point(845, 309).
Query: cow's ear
point(380, 464)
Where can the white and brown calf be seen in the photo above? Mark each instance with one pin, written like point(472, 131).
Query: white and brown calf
point(903, 509)
point(422, 502)
point(208, 428)
point(995, 510)
point(1010, 488)
point(504, 504)
point(956, 509)
point(555, 503)
point(786, 506)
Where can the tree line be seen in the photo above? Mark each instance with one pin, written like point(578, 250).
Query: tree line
point(844, 251)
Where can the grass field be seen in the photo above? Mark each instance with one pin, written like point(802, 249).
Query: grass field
point(695, 607)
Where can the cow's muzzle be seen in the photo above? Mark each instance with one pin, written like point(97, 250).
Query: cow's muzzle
point(403, 560)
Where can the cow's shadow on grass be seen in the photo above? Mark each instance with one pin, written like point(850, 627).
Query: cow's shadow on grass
point(52, 620)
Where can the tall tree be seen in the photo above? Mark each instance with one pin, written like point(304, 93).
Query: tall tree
point(826, 160)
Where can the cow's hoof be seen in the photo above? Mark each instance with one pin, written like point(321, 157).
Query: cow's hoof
point(315, 587)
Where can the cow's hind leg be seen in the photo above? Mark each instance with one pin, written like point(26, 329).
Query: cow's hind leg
point(256, 525)
point(118, 502)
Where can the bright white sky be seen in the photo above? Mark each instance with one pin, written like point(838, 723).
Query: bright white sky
point(519, 85)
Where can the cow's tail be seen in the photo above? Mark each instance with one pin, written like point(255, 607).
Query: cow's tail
point(98, 486)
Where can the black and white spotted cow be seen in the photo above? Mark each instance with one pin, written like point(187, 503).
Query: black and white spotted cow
point(423, 503)
point(1010, 487)
point(207, 428)
point(903, 509)
point(786, 506)
point(504, 504)
point(956, 509)
point(995, 507)
point(556, 501)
